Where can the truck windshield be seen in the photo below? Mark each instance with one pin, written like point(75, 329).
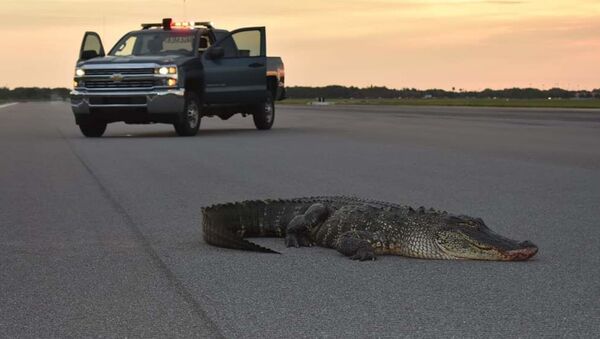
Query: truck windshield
point(155, 43)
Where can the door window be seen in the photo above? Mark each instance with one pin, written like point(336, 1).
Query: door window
point(248, 43)
point(243, 44)
point(91, 47)
point(92, 43)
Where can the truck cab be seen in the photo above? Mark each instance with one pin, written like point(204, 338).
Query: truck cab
point(176, 73)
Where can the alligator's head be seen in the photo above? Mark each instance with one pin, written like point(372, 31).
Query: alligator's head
point(464, 237)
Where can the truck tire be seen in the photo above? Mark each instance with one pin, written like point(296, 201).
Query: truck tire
point(190, 121)
point(264, 116)
point(92, 128)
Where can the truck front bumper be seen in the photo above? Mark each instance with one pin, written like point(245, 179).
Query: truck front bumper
point(171, 101)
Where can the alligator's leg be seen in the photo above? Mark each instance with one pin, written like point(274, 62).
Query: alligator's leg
point(297, 233)
point(356, 245)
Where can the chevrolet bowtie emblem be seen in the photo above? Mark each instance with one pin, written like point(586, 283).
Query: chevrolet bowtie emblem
point(117, 77)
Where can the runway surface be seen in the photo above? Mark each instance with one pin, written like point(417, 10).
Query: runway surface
point(102, 237)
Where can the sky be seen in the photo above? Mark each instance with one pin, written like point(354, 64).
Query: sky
point(463, 44)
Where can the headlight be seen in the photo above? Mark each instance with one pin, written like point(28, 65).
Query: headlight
point(172, 82)
point(163, 71)
point(79, 72)
point(166, 70)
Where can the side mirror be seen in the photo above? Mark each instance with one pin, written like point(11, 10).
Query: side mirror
point(90, 54)
point(216, 52)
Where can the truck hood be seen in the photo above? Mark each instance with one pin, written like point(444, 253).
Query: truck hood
point(161, 60)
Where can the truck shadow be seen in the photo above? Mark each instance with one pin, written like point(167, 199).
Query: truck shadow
point(206, 133)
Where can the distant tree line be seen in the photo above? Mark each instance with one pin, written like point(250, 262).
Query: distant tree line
point(33, 93)
point(373, 92)
point(342, 92)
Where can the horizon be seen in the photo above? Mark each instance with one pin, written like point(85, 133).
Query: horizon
point(430, 44)
point(456, 90)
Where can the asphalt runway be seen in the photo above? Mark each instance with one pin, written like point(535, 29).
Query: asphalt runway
point(102, 237)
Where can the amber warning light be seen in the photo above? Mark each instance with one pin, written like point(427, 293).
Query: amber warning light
point(168, 24)
point(182, 25)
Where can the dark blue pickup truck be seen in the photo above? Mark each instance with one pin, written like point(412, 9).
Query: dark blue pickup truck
point(176, 73)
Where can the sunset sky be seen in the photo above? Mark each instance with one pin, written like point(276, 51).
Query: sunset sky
point(394, 43)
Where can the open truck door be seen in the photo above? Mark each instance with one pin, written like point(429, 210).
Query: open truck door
point(91, 47)
point(235, 68)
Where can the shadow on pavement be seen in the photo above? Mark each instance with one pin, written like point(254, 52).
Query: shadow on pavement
point(203, 133)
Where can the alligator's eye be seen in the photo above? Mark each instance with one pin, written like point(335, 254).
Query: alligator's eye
point(473, 224)
point(482, 246)
point(453, 220)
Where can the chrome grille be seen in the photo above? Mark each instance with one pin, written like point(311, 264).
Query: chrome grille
point(123, 71)
point(104, 83)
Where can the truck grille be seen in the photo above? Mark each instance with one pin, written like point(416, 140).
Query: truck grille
point(123, 71)
point(120, 84)
point(117, 100)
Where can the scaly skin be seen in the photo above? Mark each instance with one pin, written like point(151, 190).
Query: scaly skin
point(360, 229)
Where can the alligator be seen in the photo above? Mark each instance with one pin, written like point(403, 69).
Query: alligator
point(359, 228)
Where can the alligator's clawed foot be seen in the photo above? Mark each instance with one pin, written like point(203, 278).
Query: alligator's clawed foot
point(364, 254)
point(297, 240)
point(356, 245)
point(291, 241)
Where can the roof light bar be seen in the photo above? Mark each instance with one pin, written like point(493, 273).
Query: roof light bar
point(168, 24)
point(182, 25)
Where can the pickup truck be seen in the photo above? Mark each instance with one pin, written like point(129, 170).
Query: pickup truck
point(176, 73)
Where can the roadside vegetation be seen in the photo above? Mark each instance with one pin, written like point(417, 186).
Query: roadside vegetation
point(542, 103)
point(33, 94)
point(511, 97)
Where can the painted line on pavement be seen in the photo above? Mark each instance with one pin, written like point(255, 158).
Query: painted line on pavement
point(8, 105)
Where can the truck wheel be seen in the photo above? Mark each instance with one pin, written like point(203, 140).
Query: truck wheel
point(190, 122)
point(92, 128)
point(265, 113)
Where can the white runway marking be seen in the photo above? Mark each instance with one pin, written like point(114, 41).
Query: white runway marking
point(7, 105)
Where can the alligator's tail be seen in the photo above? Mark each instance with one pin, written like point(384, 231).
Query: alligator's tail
point(226, 225)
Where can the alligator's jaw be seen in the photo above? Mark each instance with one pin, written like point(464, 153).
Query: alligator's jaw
point(477, 242)
point(525, 251)
point(522, 253)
